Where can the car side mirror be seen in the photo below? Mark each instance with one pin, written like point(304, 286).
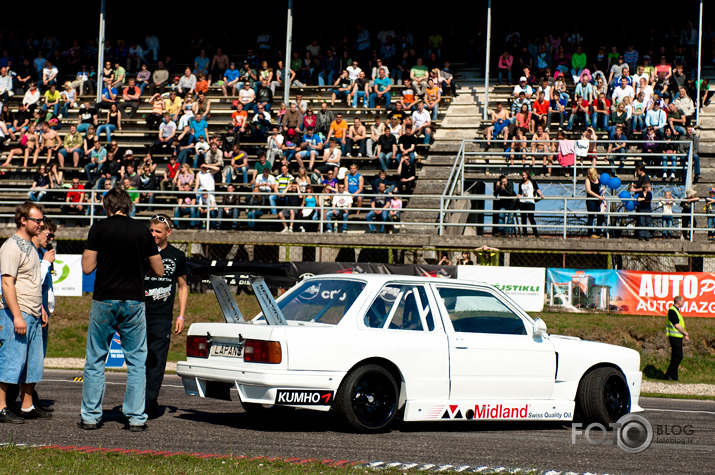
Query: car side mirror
point(539, 328)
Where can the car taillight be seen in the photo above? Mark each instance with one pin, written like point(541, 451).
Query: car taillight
point(261, 351)
point(197, 346)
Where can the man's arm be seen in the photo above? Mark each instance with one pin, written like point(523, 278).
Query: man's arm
point(183, 294)
point(89, 261)
point(10, 295)
point(156, 266)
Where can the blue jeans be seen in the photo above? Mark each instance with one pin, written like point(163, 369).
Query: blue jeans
point(365, 99)
point(36, 195)
point(385, 160)
point(638, 122)
point(21, 356)
point(109, 128)
point(83, 128)
point(129, 317)
point(664, 163)
point(181, 212)
point(338, 215)
point(387, 96)
point(574, 116)
point(501, 73)
point(667, 222)
point(599, 120)
point(373, 216)
point(711, 226)
point(253, 214)
point(234, 218)
point(398, 158)
point(322, 76)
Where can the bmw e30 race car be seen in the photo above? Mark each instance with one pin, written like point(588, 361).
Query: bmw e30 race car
point(375, 347)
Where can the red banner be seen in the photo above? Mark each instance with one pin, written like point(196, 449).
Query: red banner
point(651, 293)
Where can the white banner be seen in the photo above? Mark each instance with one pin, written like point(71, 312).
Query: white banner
point(67, 275)
point(525, 285)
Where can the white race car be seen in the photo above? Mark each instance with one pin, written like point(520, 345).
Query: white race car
point(375, 347)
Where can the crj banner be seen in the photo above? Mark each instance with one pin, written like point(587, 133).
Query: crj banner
point(631, 292)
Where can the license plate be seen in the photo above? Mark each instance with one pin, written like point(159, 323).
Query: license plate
point(231, 351)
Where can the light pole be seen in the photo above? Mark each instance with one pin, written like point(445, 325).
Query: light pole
point(289, 43)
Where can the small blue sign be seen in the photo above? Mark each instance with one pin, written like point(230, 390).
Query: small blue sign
point(115, 358)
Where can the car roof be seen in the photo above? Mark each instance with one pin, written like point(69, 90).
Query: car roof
point(383, 278)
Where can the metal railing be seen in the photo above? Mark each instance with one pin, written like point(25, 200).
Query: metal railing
point(566, 218)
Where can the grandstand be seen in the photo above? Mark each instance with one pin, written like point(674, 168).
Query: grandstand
point(437, 214)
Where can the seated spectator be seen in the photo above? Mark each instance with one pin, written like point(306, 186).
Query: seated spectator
point(432, 98)
point(187, 84)
point(237, 161)
point(406, 146)
point(68, 98)
point(52, 99)
point(341, 203)
point(408, 176)
point(114, 122)
point(331, 158)
point(247, 96)
point(32, 97)
point(186, 206)
point(504, 65)
point(257, 203)
point(580, 112)
point(379, 210)
point(343, 86)
point(40, 185)
point(229, 209)
point(49, 143)
point(207, 209)
point(355, 184)
point(75, 200)
point(260, 124)
point(159, 79)
point(311, 146)
point(522, 87)
point(268, 187)
point(386, 149)
point(27, 145)
point(148, 183)
point(72, 146)
point(616, 149)
point(166, 135)
point(361, 88)
point(109, 97)
point(130, 98)
point(357, 136)
point(381, 89)
point(541, 145)
point(422, 123)
point(540, 112)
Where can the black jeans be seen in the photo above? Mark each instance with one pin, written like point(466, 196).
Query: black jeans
point(530, 217)
point(676, 356)
point(157, 342)
point(593, 205)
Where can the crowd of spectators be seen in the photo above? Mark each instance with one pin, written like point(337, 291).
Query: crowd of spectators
point(47, 115)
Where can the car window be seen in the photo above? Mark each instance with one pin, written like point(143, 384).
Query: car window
point(400, 307)
point(478, 311)
point(323, 301)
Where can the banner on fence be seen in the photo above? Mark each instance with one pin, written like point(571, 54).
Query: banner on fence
point(67, 275)
point(631, 292)
point(525, 285)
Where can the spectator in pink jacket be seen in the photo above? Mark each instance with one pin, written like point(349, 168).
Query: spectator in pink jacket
point(504, 65)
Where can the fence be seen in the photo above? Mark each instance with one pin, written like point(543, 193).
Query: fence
point(564, 216)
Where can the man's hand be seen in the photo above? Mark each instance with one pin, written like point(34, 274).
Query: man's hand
point(20, 325)
point(45, 317)
point(179, 326)
point(49, 256)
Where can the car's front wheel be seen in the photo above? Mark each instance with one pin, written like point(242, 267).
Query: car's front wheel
point(603, 396)
point(367, 399)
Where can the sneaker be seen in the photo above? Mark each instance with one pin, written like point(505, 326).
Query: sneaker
point(672, 176)
point(284, 230)
point(87, 425)
point(137, 428)
point(301, 229)
point(349, 155)
point(290, 229)
point(328, 230)
point(35, 413)
point(9, 417)
point(665, 175)
point(360, 155)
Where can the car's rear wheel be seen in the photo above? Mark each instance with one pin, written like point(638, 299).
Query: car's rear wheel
point(367, 399)
point(603, 396)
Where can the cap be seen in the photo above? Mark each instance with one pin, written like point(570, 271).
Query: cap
point(712, 190)
point(129, 152)
point(291, 131)
point(646, 56)
point(523, 78)
point(690, 193)
point(177, 77)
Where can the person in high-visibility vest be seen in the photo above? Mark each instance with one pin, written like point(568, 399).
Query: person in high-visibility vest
point(676, 332)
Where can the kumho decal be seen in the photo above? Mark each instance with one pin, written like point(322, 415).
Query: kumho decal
point(304, 397)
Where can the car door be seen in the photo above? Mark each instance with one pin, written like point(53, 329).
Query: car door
point(493, 352)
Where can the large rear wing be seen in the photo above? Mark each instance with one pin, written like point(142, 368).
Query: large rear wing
point(257, 275)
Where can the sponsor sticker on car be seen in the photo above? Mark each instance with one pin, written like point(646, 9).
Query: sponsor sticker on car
point(304, 397)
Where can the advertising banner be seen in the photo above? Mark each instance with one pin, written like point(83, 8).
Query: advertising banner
point(67, 275)
point(631, 292)
point(525, 285)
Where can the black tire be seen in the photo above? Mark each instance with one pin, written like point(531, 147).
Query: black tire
point(603, 396)
point(368, 398)
point(266, 411)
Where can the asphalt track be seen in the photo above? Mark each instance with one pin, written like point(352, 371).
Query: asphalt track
point(191, 424)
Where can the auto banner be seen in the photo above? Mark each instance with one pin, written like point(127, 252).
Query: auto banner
point(631, 292)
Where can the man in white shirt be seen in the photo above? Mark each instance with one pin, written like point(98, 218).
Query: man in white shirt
point(422, 122)
point(266, 183)
point(523, 86)
point(620, 92)
point(342, 201)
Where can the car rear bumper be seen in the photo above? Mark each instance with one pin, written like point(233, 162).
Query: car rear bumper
point(259, 386)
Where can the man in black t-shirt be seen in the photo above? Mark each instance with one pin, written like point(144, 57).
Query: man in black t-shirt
point(120, 249)
point(87, 116)
point(159, 294)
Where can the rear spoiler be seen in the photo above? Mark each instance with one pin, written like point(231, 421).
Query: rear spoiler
point(257, 275)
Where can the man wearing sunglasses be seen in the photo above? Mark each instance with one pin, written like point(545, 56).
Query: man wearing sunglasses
point(22, 316)
point(159, 299)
